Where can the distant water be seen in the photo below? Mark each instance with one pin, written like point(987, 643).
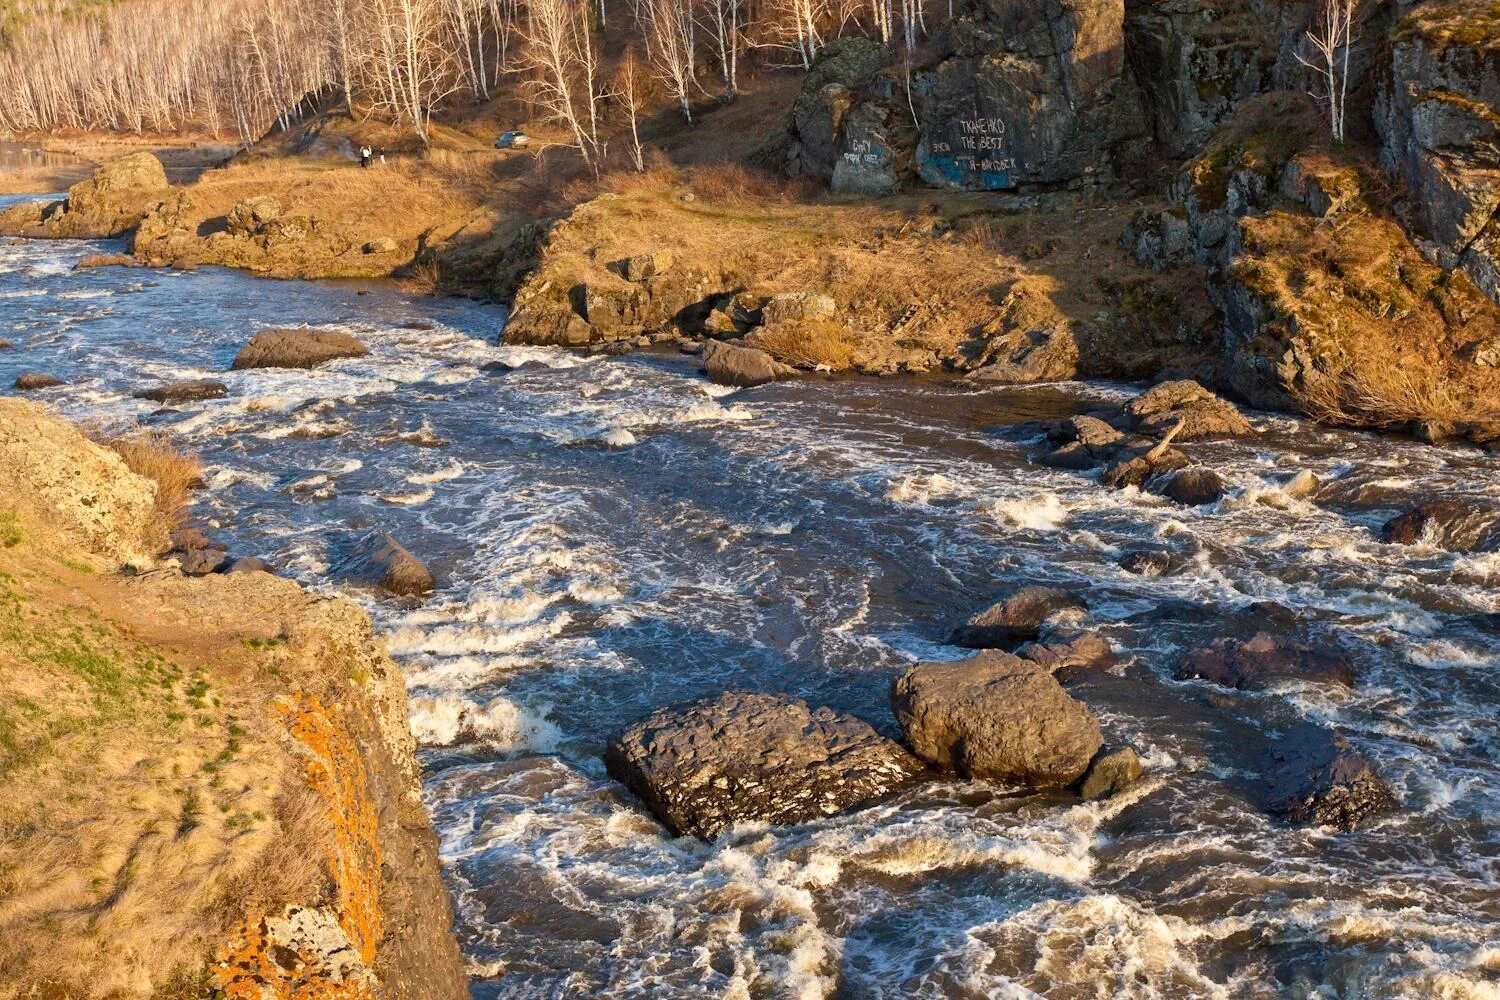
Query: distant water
point(617, 534)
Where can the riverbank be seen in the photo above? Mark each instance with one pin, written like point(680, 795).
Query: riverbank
point(212, 779)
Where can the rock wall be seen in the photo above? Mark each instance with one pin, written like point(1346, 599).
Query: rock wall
point(1438, 115)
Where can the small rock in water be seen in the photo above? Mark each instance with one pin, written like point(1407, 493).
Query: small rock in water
point(1262, 660)
point(1147, 562)
point(1139, 463)
point(379, 561)
point(1110, 773)
point(703, 767)
point(1455, 525)
point(190, 539)
point(298, 349)
point(1195, 486)
point(998, 717)
point(1316, 777)
point(1017, 618)
point(6, 345)
point(184, 392)
point(33, 381)
point(251, 564)
point(1070, 659)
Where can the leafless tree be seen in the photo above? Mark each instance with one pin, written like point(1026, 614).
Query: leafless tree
point(627, 92)
point(1331, 38)
point(562, 69)
point(671, 44)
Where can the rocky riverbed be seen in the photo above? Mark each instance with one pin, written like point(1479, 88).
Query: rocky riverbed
point(611, 538)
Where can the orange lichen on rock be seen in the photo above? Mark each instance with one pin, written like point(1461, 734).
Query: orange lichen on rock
point(320, 953)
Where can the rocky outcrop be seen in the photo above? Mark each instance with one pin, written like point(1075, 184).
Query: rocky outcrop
point(1456, 525)
point(110, 203)
point(250, 215)
point(745, 757)
point(1440, 131)
point(286, 851)
point(1265, 659)
point(1018, 618)
point(298, 349)
point(1316, 777)
point(998, 717)
point(816, 127)
point(84, 493)
point(379, 561)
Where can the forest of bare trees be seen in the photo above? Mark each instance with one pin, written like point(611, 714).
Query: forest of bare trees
point(240, 67)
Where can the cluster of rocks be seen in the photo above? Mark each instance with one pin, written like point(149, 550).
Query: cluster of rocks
point(197, 555)
point(1133, 446)
point(108, 204)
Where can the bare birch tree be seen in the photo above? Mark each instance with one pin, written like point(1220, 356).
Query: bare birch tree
point(670, 44)
point(1331, 38)
point(563, 72)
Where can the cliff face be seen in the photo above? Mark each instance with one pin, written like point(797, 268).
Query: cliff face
point(211, 781)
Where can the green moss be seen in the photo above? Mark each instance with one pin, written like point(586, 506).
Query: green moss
point(10, 529)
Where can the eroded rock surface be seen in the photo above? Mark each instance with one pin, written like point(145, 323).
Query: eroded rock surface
point(1317, 777)
point(743, 756)
point(379, 561)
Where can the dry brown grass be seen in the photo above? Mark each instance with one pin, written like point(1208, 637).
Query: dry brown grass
point(1370, 396)
point(818, 346)
point(176, 472)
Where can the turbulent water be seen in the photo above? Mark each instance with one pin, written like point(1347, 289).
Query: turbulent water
point(614, 535)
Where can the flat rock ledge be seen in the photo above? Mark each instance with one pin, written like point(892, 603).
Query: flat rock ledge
point(742, 756)
point(998, 717)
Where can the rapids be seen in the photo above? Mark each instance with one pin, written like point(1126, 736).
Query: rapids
point(616, 534)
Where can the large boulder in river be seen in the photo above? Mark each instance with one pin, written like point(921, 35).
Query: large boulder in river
point(728, 364)
point(1316, 777)
point(1262, 660)
point(379, 561)
point(1017, 618)
point(34, 381)
point(1456, 525)
point(996, 716)
point(184, 392)
point(743, 756)
point(298, 349)
point(1202, 414)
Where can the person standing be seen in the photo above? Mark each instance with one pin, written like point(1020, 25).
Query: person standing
point(364, 156)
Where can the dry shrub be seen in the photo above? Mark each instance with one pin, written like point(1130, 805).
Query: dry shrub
point(176, 472)
point(1378, 396)
point(423, 276)
point(807, 344)
point(736, 184)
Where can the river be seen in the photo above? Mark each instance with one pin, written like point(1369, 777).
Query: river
point(616, 534)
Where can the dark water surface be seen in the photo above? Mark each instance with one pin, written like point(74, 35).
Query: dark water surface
point(617, 534)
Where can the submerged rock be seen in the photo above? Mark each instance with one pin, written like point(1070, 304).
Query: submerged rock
point(379, 561)
point(34, 381)
point(1110, 773)
point(298, 349)
point(1202, 414)
point(203, 561)
point(1147, 562)
point(1140, 463)
point(1456, 525)
point(996, 716)
point(185, 392)
point(743, 756)
point(251, 564)
point(1017, 618)
point(1316, 777)
point(727, 364)
point(1262, 660)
